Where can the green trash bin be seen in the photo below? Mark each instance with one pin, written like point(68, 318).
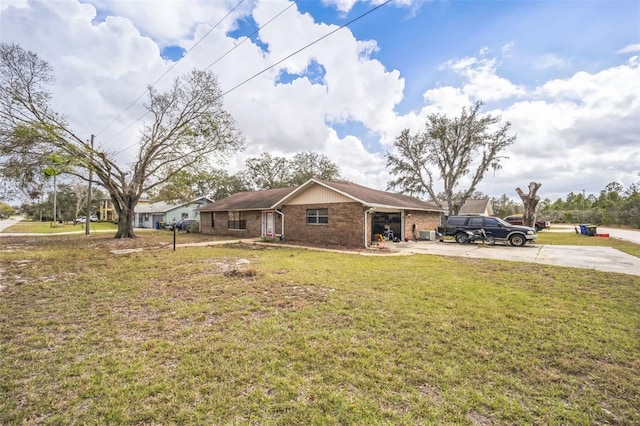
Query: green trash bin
point(591, 230)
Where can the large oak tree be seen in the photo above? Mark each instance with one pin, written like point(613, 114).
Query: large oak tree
point(448, 150)
point(188, 130)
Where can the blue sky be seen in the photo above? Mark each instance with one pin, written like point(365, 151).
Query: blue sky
point(564, 73)
point(586, 34)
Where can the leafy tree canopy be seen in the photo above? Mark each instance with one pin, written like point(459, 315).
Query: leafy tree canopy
point(189, 185)
point(268, 171)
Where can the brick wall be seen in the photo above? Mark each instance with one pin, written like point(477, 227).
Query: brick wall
point(424, 221)
point(345, 227)
point(253, 225)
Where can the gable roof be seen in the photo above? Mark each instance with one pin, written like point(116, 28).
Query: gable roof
point(473, 206)
point(200, 201)
point(369, 197)
point(162, 207)
point(276, 198)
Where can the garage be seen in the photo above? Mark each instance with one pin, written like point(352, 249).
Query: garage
point(382, 222)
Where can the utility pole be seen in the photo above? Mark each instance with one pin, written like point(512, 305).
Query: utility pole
point(55, 222)
point(87, 222)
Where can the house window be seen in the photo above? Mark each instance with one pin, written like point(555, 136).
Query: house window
point(237, 220)
point(213, 220)
point(184, 216)
point(317, 216)
point(146, 217)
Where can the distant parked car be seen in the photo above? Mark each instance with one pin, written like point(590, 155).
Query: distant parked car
point(83, 219)
point(517, 220)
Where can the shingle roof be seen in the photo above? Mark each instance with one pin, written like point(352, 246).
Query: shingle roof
point(472, 206)
point(249, 200)
point(271, 198)
point(160, 207)
point(376, 198)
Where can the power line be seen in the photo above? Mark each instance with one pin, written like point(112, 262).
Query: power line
point(272, 65)
point(305, 47)
point(166, 72)
point(250, 35)
point(208, 66)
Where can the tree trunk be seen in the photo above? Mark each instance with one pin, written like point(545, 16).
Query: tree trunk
point(530, 202)
point(126, 219)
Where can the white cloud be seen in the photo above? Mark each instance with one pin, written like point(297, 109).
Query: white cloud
point(357, 164)
point(583, 130)
point(481, 79)
point(630, 48)
point(168, 22)
point(550, 61)
point(507, 48)
point(5, 4)
point(572, 131)
point(343, 6)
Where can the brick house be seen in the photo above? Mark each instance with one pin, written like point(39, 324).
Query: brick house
point(320, 212)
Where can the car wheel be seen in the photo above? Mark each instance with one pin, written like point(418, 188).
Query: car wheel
point(517, 240)
point(461, 238)
point(538, 228)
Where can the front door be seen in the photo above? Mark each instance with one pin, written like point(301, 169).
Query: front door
point(269, 224)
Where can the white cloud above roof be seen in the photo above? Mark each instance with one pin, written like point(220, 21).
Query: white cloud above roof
point(576, 117)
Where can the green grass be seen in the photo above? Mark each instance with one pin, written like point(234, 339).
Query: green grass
point(245, 334)
point(28, 226)
point(151, 235)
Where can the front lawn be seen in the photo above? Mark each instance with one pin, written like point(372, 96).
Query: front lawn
point(248, 334)
point(35, 227)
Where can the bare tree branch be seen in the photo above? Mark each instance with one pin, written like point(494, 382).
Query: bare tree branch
point(449, 149)
point(190, 129)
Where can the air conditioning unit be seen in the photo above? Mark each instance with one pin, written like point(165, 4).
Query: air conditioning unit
point(428, 235)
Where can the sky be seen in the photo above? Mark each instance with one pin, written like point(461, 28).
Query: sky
point(565, 74)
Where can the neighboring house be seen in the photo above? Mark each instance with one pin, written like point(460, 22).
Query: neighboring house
point(187, 210)
point(472, 207)
point(107, 213)
point(149, 215)
point(320, 212)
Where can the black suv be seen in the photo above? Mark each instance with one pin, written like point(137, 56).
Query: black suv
point(501, 230)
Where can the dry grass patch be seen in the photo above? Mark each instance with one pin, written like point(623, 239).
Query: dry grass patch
point(253, 335)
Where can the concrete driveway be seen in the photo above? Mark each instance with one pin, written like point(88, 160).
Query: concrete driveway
point(605, 259)
point(5, 223)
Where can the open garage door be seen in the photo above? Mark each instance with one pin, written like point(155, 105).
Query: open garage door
point(381, 222)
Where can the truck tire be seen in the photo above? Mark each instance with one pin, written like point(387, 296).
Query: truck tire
point(517, 240)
